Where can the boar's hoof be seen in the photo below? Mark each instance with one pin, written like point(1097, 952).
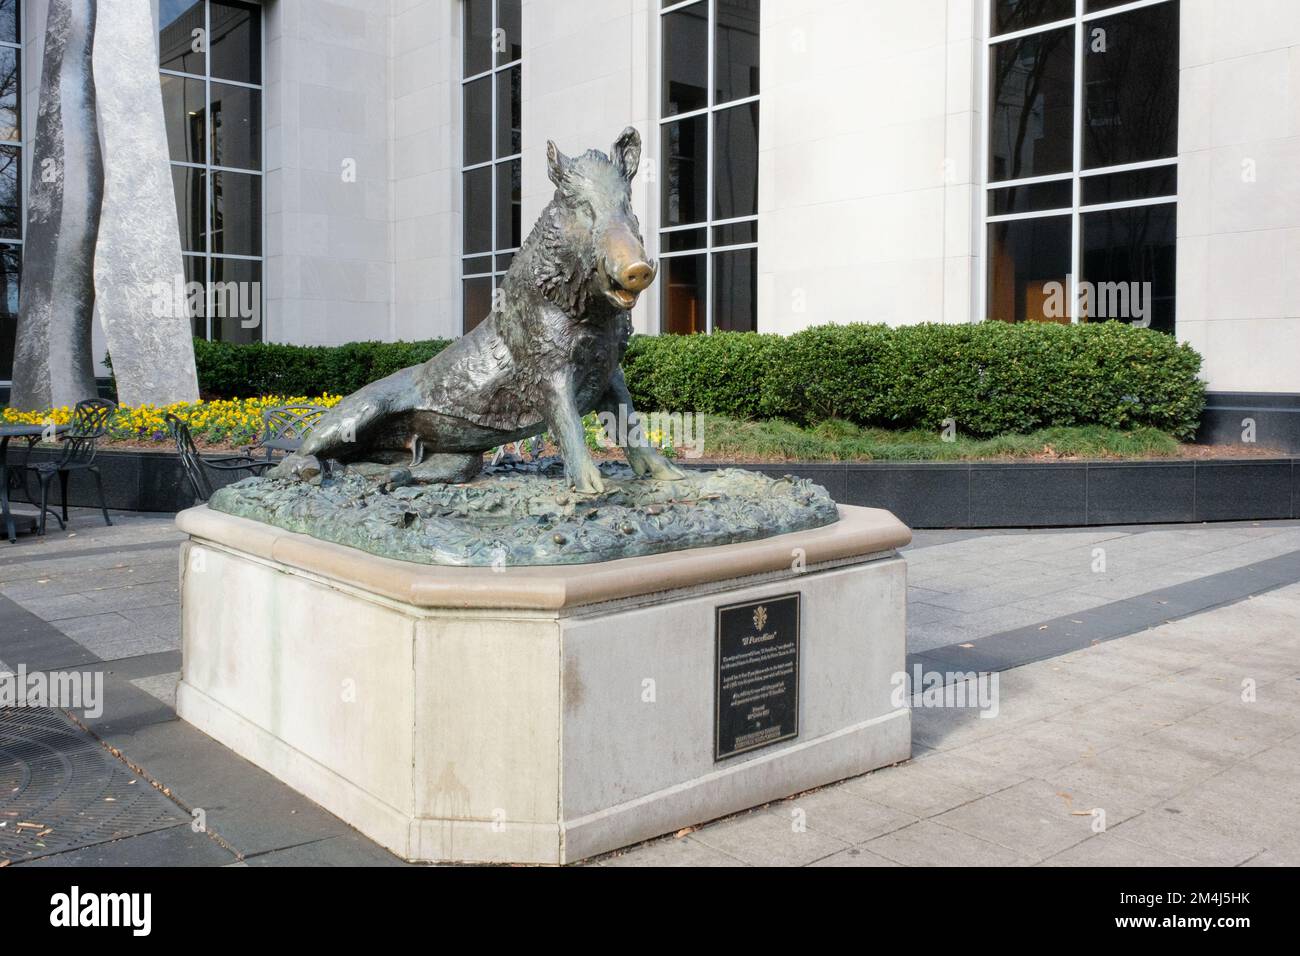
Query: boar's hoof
point(398, 478)
point(586, 479)
point(648, 463)
point(300, 467)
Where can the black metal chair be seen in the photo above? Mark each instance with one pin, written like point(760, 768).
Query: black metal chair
point(284, 427)
point(195, 465)
point(79, 443)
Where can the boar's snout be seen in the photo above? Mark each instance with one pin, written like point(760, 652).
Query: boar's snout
point(626, 269)
point(624, 283)
point(637, 276)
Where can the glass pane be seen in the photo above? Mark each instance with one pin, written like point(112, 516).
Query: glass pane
point(1130, 73)
point(685, 194)
point(236, 46)
point(10, 21)
point(11, 192)
point(1030, 130)
point(1092, 6)
point(236, 126)
point(235, 294)
point(184, 113)
point(735, 162)
point(478, 121)
point(683, 239)
point(477, 301)
point(504, 261)
point(1012, 15)
point(736, 233)
point(735, 291)
point(478, 37)
point(1150, 183)
point(190, 184)
point(10, 271)
point(477, 211)
point(735, 63)
point(1129, 258)
point(236, 214)
point(177, 22)
point(11, 117)
point(508, 205)
point(1037, 197)
point(510, 47)
point(195, 296)
point(1029, 266)
point(476, 265)
point(686, 59)
point(509, 111)
point(685, 285)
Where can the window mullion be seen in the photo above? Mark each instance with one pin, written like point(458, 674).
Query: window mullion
point(209, 149)
point(1076, 222)
point(711, 186)
point(492, 96)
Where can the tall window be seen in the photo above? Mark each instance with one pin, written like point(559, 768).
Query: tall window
point(12, 218)
point(491, 91)
point(210, 55)
point(708, 237)
point(1082, 161)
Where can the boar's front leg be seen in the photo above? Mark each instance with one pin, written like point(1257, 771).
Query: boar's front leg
point(565, 423)
point(646, 461)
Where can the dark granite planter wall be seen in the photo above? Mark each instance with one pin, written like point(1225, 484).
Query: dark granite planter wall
point(923, 495)
point(1070, 494)
point(1276, 416)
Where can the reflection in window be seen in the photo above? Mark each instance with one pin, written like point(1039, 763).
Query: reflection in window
point(212, 110)
point(12, 216)
point(11, 192)
point(1107, 164)
point(1030, 130)
point(735, 290)
point(491, 130)
point(10, 21)
point(1012, 15)
point(735, 162)
point(10, 269)
point(11, 117)
point(685, 287)
point(708, 134)
point(1029, 270)
point(686, 59)
point(1128, 266)
point(1130, 75)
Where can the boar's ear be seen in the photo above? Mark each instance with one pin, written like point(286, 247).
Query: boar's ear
point(626, 152)
point(557, 163)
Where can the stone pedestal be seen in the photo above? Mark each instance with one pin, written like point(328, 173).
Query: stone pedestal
point(532, 715)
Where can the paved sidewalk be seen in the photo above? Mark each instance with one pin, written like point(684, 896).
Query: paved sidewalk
point(1123, 713)
point(1135, 752)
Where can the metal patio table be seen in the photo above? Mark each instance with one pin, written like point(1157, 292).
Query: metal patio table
point(33, 434)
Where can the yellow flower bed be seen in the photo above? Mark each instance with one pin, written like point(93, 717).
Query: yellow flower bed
point(233, 423)
point(228, 422)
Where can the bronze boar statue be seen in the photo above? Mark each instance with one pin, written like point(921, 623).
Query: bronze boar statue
point(546, 355)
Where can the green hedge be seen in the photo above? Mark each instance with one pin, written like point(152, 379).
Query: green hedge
point(246, 371)
point(992, 378)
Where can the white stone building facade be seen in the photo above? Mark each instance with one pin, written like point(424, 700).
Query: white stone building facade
point(381, 157)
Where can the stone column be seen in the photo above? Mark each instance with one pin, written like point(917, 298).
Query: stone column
point(138, 264)
point(53, 364)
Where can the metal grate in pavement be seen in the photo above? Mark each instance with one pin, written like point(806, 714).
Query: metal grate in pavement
point(60, 790)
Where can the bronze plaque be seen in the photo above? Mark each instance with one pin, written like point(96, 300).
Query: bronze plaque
point(756, 675)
